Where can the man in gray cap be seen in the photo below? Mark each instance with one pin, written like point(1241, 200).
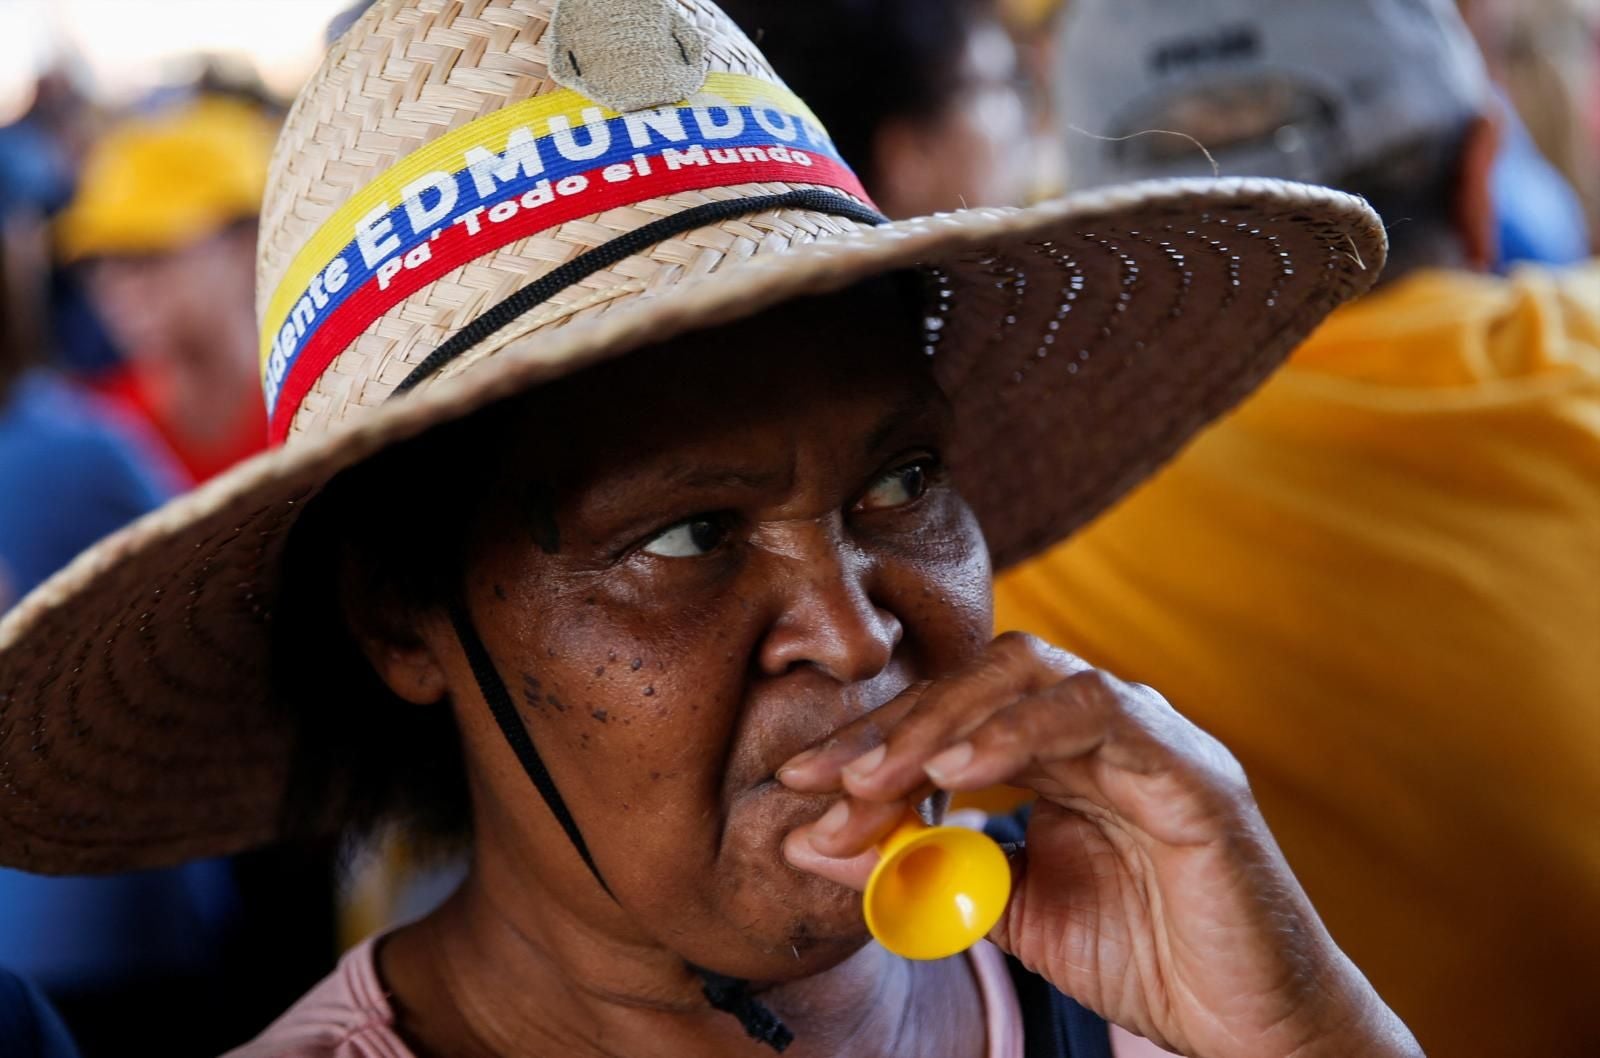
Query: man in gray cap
point(1379, 582)
point(1387, 98)
point(1352, 120)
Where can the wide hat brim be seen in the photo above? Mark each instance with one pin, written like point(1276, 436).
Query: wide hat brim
point(1082, 342)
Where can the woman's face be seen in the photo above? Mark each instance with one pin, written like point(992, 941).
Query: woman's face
point(694, 564)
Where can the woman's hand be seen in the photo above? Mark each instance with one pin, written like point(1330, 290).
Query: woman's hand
point(1150, 889)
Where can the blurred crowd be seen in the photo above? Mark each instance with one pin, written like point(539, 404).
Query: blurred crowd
point(1379, 583)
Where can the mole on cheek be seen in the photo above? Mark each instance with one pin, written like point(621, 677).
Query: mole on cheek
point(534, 694)
point(532, 691)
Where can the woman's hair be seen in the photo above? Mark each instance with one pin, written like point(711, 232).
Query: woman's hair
point(389, 535)
point(860, 63)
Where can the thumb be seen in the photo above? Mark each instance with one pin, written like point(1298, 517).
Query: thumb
point(802, 855)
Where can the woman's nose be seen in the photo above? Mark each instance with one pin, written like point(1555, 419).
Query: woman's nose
point(827, 617)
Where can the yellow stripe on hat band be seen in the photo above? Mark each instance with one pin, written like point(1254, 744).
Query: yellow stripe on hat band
point(446, 153)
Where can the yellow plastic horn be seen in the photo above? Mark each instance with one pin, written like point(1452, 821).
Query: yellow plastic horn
point(936, 890)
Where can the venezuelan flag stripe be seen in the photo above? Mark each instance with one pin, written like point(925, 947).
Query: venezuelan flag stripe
point(561, 109)
point(523, 210)
point(506, 177)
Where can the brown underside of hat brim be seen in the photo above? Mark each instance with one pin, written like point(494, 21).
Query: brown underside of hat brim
point(1085, 341)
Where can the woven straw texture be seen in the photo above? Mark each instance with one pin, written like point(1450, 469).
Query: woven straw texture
point(407, 75)
point(1082, 343)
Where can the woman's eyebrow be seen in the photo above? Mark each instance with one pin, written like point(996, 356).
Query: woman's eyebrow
point(635, 493)
point(712, 477)
point(676, 473)
point(913, 411)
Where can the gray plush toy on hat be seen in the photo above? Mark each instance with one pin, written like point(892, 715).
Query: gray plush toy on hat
point(627, 54)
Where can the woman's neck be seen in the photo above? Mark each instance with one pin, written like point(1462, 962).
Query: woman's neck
point(469, 980)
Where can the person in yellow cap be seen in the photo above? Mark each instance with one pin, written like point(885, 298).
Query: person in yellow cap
point(164, 223)
point(1379, 583)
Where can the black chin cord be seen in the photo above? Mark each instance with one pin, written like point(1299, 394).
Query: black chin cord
point(494, 692)
point(727, 994)
point(732, 996)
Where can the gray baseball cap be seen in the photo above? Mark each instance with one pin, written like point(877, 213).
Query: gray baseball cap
point(1298, 89)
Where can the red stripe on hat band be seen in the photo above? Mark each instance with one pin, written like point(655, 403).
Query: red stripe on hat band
point(459, 244)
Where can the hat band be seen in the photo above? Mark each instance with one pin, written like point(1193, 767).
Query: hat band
point(623, 246)
point(511, 175)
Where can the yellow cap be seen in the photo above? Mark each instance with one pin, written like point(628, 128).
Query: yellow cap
point(154, 184)
point(936, 891)
point(1030, 14)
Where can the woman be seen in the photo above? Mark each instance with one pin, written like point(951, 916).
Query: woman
point(675, 636)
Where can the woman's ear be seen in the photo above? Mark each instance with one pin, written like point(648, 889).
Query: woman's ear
point(395, 640)
point(1475, 219)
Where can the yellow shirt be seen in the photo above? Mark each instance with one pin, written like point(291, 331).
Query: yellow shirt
point(1379, 584)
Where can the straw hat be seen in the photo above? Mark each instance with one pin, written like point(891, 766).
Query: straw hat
point(468, 200)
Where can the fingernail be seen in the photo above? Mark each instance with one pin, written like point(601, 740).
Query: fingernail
point(868, 762)
point(832, 820)
point(799, 760)
point(949, 765)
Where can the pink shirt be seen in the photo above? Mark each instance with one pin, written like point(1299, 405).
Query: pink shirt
point(348, 1015)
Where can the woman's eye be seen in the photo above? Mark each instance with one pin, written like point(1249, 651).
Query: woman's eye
point(689, 539)
point(897, 488)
